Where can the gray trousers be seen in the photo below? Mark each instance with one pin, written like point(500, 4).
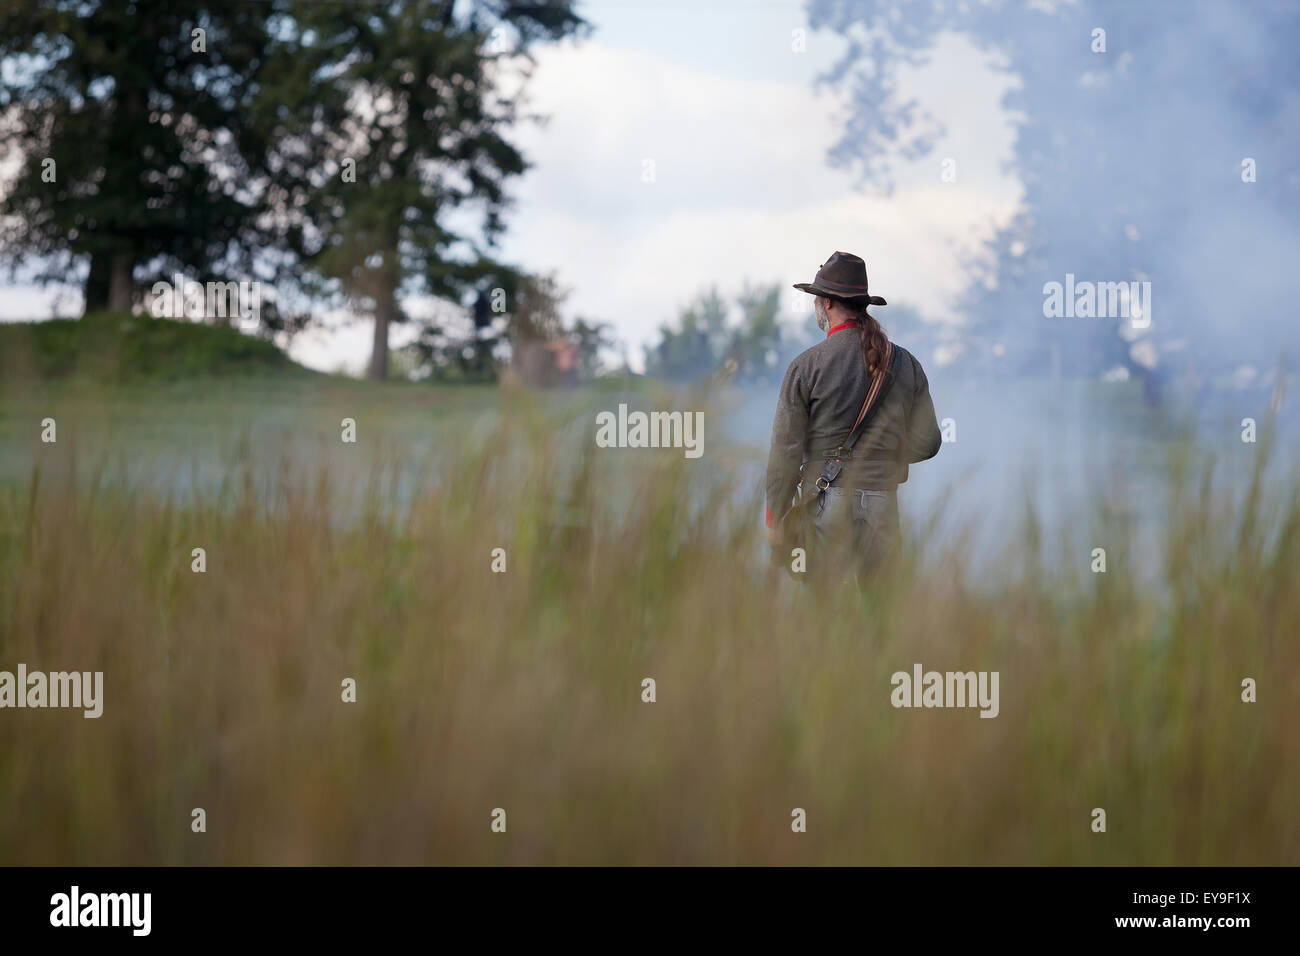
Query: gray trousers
point(854, 531)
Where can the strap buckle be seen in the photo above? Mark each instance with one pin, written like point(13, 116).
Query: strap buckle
point(821, 483)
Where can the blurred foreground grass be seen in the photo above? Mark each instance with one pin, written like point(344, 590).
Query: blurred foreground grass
point(523, 690)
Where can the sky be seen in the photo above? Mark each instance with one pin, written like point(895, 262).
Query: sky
point(715, 96)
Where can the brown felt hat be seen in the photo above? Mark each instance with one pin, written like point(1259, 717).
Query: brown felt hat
point(843, 276)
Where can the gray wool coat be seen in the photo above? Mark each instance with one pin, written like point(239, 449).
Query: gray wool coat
point(820, 398)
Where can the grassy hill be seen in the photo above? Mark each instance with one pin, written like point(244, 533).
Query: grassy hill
point(120, 347)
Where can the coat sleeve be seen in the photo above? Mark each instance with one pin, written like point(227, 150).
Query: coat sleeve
point(923, 436)
point(789, 435)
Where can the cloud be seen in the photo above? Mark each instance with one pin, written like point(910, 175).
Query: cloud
point(742, 190)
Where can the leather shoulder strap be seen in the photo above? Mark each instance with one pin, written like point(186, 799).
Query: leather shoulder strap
point(880, 386)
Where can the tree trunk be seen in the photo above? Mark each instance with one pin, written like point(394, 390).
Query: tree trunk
point(385, 311)
point(379, 351)
point(120, 288)
point(95, 289)
point(385, 314)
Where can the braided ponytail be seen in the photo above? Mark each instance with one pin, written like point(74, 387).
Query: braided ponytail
point(872, 338)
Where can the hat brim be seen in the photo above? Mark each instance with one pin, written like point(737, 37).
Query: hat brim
point(812, 288)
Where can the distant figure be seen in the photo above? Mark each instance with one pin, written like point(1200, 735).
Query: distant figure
point(543, 363)
point(851, 520)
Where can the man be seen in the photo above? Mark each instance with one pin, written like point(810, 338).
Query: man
point(855, 522)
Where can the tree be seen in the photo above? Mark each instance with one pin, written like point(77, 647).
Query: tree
point(542, 350)
point(590, 338)
point(403, 121)
point(755, 345)
point(1131, 148)
point(473, 344)
point(694, 347)
point(701, 342)
point(143, 109)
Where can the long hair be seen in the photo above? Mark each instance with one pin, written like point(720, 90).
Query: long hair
point(871, 337)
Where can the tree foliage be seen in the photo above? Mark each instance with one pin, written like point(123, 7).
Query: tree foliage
point(331, 149)
point(1131, 157)
point(702, 342)
point(399, 122)
point(157, 165)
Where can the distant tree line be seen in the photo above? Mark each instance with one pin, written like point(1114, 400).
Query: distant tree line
point(703, 342)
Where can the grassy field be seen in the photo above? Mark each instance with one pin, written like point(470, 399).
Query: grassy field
point(523, 690)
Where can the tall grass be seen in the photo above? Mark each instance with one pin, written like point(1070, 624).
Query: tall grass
point(522, 690)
